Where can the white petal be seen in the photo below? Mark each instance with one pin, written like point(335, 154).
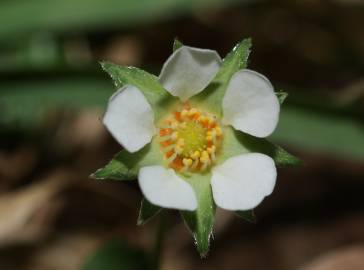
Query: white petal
point(164, 188)
point(129, 118)
point(250, 104)
point(188, 71)
point(242, 182)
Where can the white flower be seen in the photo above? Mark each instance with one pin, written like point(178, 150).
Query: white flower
point(192, 137)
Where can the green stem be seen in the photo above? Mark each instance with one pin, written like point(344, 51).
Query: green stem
point(158, 244)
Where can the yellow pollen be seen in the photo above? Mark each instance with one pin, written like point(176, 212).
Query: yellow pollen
point(196, 154)
point(187, 161)
point(211, 149)
point(178, 149)
point(205, 157)
point(181, 142)
point(174, 135)
point(190, 139)
point(218, 131)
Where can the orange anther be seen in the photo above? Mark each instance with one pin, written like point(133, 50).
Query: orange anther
point(169, 153)
point(177, 115)
point(177, 164)
point(205, 123)
point(165, 131)
point(196, 116)
point(166, 143)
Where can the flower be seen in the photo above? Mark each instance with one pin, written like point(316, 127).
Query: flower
point(195, 136)
point(191, 137)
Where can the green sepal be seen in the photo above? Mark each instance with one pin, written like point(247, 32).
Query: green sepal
point(177, 44)
point(201, 221)
point(211, 97)
point(147, 212)
point(125, 165)
point(247, 215)
point(147, 83)
point(236, 143)
point(115, 169)
point(281, 157)
point(281, 95)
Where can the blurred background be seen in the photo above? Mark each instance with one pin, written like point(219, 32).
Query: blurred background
point(53, 93)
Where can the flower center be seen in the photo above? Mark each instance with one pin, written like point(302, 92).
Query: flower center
point(190, 139)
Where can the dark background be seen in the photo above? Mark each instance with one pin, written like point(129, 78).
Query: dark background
point(53, 93)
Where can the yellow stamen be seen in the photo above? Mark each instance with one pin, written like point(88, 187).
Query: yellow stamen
point(187, 162)
point(196, 154)
point(218, 131)
point(211, 149)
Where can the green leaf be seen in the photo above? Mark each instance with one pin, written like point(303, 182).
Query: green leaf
point(25, 103)
point(201, 221)
point(17, 17)
point(247, 215)
point(177, 44)
point(237, 143)
point(281, 95)
point(212, 96)
point(148, 84)
point(147, 212)
point(117, 255)
point(334, 133)
point(125, 165)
